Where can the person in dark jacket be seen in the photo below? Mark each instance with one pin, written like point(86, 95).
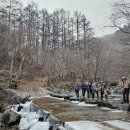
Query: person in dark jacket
point(87, 89)
point(84, 88)
point(90, 86)
point(102, 90)
point(77, 88)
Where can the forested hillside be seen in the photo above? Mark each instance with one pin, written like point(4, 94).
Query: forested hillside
point(60, 44)
point(57, 46)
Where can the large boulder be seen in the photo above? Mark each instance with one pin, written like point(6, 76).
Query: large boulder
point(13, 116)
point(106, 104)
point(113, 105)
point(8, 98)
point(9, 118)
point(5, 119)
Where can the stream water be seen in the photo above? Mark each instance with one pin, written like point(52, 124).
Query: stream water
point(68, 111)
point(81, 116)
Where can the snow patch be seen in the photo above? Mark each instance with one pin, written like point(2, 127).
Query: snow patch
point(55, 98)
point(29, 119)
point(86, 125)
point(117, 111)
point(40, 126)
point(112, 110)
point(119, 124)
point(26, 107)
point(83, 104)
point(86, 105)
point(26, 123)
point(107, 109)
point(75, 102)
point(62, 128)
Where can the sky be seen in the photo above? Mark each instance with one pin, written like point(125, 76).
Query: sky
point(97, 11)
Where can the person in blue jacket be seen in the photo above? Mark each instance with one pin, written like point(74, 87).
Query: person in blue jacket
point(77, 88)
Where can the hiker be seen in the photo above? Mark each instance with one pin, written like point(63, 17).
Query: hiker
point(83, 86)
point(87, 88)
point(95, 90)
point(104, 90)
point(91, 89)
point(125, 85)
point(101, 90)
point(77, 88)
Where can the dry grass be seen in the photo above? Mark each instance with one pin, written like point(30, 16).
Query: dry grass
point(35, 85)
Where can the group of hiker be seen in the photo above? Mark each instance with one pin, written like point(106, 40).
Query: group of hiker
point(101, 90)
point(92, 89)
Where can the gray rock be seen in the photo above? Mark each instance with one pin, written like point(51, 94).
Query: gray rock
point(90, 101)
point(13, 117)
point(74, 99)
point(81, 99)
point(5, 119)
point(113, 105)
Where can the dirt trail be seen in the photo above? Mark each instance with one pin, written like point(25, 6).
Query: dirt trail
point(33, 86)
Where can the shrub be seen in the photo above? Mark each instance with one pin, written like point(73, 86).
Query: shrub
point(114, 83)
point(13, 85)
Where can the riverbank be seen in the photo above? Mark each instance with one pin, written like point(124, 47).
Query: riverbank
point(75, 111)
point(76, 114)
point(114, 101)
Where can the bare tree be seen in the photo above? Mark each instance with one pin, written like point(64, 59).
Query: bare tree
point(121, 15)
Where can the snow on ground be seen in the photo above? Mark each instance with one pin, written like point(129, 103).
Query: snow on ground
point(85, 125)
point(62, 128)
point(86, 105)
point(117, 99)
point(112, 110)
point(26, 123)
point(40, 126)
point(26, 108)
point(83, 104)
point(29, 119)
point(54, 97)
point(119, 124)
point(117, 111)
point(107, 109)
point(90, 125)
point(75, 102)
